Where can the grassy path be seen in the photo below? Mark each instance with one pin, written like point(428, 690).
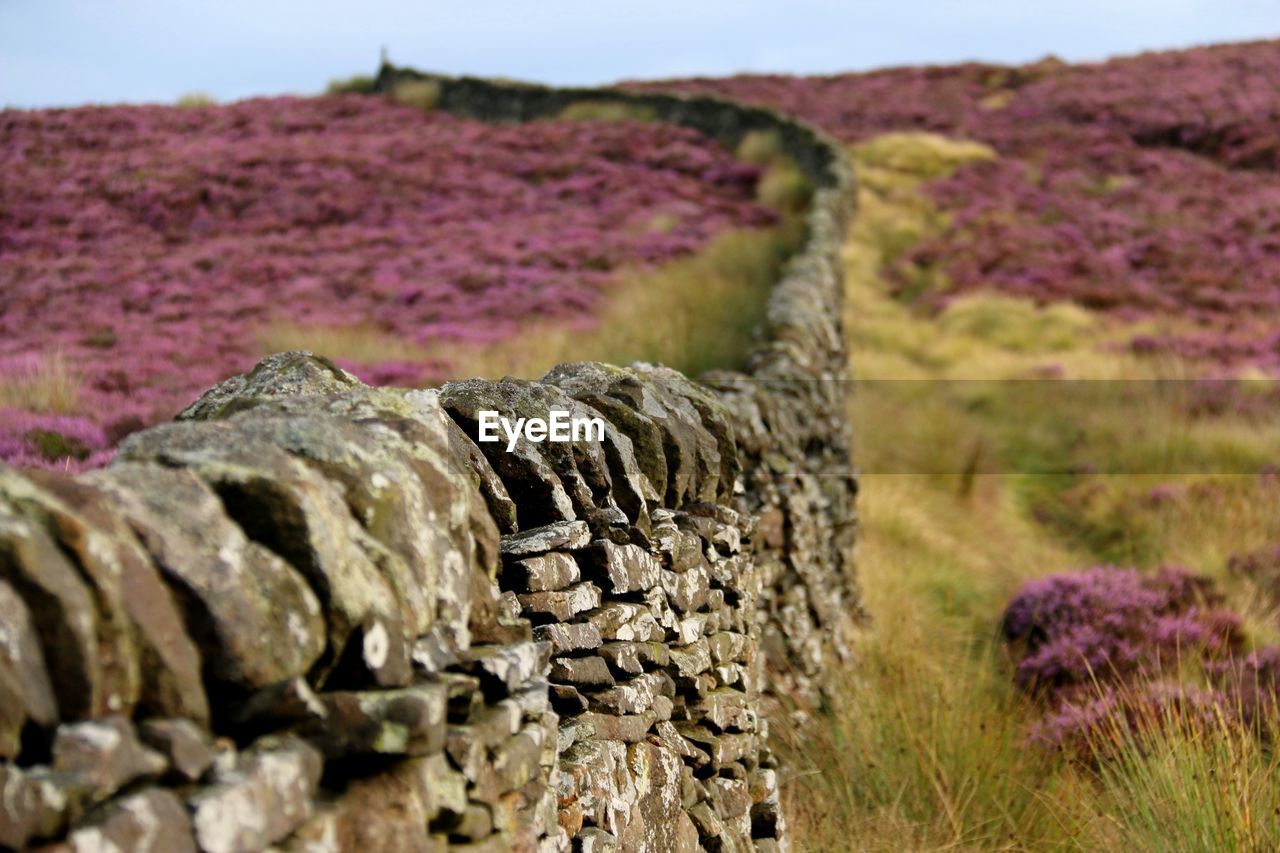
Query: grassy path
point(928, 748)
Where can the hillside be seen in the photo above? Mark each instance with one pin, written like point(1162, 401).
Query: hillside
point(148, 252)
point(1147, 187)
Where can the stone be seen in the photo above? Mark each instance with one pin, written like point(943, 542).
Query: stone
point(725, 708)
point(544, 488)
point(652, 823)
point(634, 696)
point(26, 692)
point(281, 503)
point(585, 671)
point(475, 823)
point(63, 615)
point(729, 796)
point(566, 535)
point(706, 820)
point(688, 591)
point(254, 618)
point(184, 744)
point(516, 760)
point(628, 728)
point(562, 605)
point(126, 581)
point(391, 460)
point(543, 573)
point(106, 754)
point(283, 374)
point(569, 637)
point(512, 666)
point(37, 804)
point(624, 621)
point(635, 657)
point(594, 840)
point(691, 659)
point(407, 721)
point(268, 793)
point(726, 646)
point(623, 568)
point(568, 700)
point(151, 821)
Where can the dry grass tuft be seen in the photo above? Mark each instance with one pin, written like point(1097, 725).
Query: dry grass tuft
point(423, 94)
point(600, 110)
point(47, 385)
point(361, 344)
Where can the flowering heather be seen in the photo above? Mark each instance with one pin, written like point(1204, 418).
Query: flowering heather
point(1107, 624)
point(1145, 186)
point(147, 246)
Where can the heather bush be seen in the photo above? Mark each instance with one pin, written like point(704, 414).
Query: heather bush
point(1073, 631)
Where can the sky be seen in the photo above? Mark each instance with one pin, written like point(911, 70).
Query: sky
point(65, 52)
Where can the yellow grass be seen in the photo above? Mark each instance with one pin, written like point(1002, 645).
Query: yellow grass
point(50, 386)
point(423, 94)
point(362, 344)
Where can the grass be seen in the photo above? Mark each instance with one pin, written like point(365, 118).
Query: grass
point(196, 99)
point(693, 314)
point(423, 94)
point(605, 110)
point(924, 745)
point(49, 385)
point(362, 344)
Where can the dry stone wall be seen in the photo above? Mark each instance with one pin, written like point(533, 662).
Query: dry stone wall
point(311, 615)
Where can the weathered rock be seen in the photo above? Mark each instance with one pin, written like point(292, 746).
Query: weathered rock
point(109, 554)
point(625, 568)
point(635, 657)
point(285, 374)
point(184, 745)
point(533, 480)
point(623, 621)
point(151, 821)
point(267, 794)
point(254, 616)
point(688, 591)
point(581, 671)
point(635, 696)
point(299, 515)
point(564, 604)
point(105, 754)
point(25, 690)
point(407, 721)
point(569, 637)
point(511, 666)
point(691, 659)
point(62, 611)
point(594, 840)
point(566, 535)
point(543, 573)
point(37, 804)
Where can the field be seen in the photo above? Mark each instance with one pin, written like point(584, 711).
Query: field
point(1068, 541)
point(1145, 187)
point(148, 252)
point(1064, 319)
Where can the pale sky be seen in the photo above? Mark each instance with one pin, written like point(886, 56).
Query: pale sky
point(59, 52)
